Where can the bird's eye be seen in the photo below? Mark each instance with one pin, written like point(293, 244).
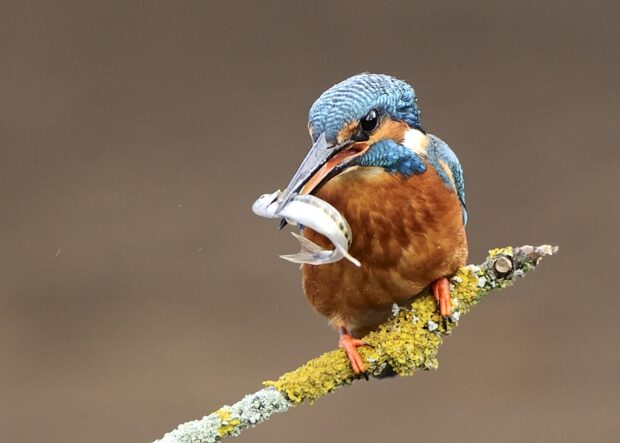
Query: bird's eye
point(369, 123)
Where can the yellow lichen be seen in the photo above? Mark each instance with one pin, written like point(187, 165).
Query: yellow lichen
point(497, 251)
point(404, 344)
point(466, 289)
point(228, 424)
point(316, 378)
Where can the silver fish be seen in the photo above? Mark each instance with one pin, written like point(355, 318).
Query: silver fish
point(318, 215)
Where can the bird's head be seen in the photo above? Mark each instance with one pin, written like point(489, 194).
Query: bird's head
point(349, 119)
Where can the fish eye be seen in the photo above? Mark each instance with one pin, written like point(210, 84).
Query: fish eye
point(370, 121)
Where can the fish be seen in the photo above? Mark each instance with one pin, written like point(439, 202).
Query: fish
point(316, 214)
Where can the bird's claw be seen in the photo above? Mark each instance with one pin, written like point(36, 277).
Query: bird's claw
point(441, 292)
point(350, 345)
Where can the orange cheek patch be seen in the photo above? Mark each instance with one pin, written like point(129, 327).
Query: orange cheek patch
point(347, 131)
point(390, 129)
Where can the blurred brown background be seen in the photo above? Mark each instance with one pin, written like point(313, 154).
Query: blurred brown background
point(138, 291)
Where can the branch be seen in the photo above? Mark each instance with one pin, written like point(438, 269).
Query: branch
point(406, 343)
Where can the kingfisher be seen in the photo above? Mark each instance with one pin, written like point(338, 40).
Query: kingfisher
point(400, 188)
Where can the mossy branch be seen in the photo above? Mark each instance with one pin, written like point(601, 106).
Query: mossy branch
point(406, 343)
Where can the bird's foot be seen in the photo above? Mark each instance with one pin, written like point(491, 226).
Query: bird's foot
point(350, 345)
point(441, 292)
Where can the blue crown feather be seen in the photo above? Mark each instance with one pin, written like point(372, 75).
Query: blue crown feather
point(351, 99)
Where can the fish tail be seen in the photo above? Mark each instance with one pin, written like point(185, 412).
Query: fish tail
point(349, 257)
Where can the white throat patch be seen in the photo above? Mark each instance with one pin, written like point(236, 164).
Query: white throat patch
point(416, 141)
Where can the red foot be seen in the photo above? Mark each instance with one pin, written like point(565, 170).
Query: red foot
point(350, 345)
point(441, 292)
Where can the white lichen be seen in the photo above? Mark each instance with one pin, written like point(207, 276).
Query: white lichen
point(230, 420)
point(395, 309)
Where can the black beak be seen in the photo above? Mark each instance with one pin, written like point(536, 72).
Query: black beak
point(318, 156)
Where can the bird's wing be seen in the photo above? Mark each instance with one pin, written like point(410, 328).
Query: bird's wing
point(449, 168)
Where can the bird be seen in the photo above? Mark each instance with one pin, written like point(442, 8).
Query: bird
point(401, 190)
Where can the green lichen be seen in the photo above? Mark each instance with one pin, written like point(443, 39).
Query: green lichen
point(228, 424)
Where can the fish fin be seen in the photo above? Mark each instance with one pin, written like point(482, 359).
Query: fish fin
point(349, 257)
point(309, 253)
point(301, 258)
point(307, 245)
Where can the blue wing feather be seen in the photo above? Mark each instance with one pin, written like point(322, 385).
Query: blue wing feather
point(439, 151)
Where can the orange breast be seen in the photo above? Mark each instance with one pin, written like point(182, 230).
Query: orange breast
point(407, 232)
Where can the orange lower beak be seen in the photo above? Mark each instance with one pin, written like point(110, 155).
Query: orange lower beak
point(346, 155)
